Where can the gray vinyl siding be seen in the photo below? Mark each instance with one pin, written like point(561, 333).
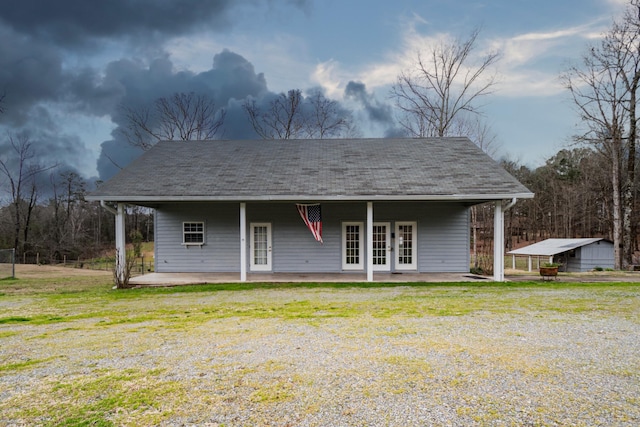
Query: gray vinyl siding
point(221, 250)
point(294, 248)
point(442, 234)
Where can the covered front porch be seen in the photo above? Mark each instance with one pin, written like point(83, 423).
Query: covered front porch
point(366, 273)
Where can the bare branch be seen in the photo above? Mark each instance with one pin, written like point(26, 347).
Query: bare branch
point(443, 87)
point(183, 116)
point(291, 115)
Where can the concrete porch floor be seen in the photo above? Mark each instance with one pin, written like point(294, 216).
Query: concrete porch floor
point(172, 279)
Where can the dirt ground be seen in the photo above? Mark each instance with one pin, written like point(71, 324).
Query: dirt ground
point(590, 276)
point(34, 271)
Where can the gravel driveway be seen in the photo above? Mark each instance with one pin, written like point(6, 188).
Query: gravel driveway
point(398, 356)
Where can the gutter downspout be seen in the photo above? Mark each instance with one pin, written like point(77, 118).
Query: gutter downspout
point(107, 207)
point(498, 239)
point(510, 205)
point(120, 238)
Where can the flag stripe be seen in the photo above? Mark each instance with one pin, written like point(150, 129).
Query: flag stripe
point(312, 217)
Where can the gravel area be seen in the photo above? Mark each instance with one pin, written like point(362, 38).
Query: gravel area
point(519, 365)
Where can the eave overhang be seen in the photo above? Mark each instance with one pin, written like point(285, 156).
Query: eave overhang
point(304, 198)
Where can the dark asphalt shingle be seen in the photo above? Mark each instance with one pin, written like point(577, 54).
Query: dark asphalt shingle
point(311, 169)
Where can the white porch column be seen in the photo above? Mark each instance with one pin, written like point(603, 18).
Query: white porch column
point(120, 242)
point(529, 263)
point(369, 242)
point(498, 243)
point(243, 242)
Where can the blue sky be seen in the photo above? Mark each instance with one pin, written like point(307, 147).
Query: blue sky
point(66, 68)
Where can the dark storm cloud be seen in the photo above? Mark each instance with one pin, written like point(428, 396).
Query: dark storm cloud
point(30, 73)
point(230, 80)
point(82, 22)
point(232, 76)
point(74, 22)
point(49, 72)
point(377, 112)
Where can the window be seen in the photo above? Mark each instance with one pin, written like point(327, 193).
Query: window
point(193, 233)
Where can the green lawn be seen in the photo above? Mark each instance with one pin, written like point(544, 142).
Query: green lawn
point(73, 351)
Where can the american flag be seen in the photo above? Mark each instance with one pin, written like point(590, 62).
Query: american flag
point(313, 218)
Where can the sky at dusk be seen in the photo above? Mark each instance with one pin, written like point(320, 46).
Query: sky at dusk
point(68, 66)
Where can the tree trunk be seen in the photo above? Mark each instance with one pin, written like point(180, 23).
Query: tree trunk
point(617, 208)
point(629, 235)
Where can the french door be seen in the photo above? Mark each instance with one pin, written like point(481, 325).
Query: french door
point(260, 246)
point(352, 249)
point(406, 245)
point(381, 246)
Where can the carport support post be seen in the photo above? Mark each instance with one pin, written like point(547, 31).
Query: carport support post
point(243, 242)
point(369, 242)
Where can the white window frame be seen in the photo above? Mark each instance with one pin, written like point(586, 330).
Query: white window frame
point(414, 247)
point(203, 233)
point(362, 246)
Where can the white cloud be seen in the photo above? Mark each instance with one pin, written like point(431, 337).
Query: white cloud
point(529, 66)
point(531, 62)
point(334, 76)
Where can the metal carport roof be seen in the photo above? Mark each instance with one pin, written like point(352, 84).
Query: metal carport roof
point(551, 247)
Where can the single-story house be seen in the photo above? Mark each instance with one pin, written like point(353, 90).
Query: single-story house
point(573, 255)
point(313, 206)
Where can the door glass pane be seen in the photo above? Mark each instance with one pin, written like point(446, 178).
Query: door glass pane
point(352, 244)
point(406, 244)
point(379, 245)
point(260, 245)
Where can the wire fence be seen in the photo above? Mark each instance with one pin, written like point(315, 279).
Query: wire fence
point(7, 263)
point(142, 265)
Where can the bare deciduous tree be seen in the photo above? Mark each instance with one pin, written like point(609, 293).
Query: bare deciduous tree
point(282, 119)
point(444, 87)
point(291, 116)
point(440, 97)
point(325, 118)
point(66, 222)
point(183, 116)
point(623, 44)
point(604, 89)
point(21, 171)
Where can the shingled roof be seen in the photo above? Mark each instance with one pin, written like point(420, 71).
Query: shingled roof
point(328, 169)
